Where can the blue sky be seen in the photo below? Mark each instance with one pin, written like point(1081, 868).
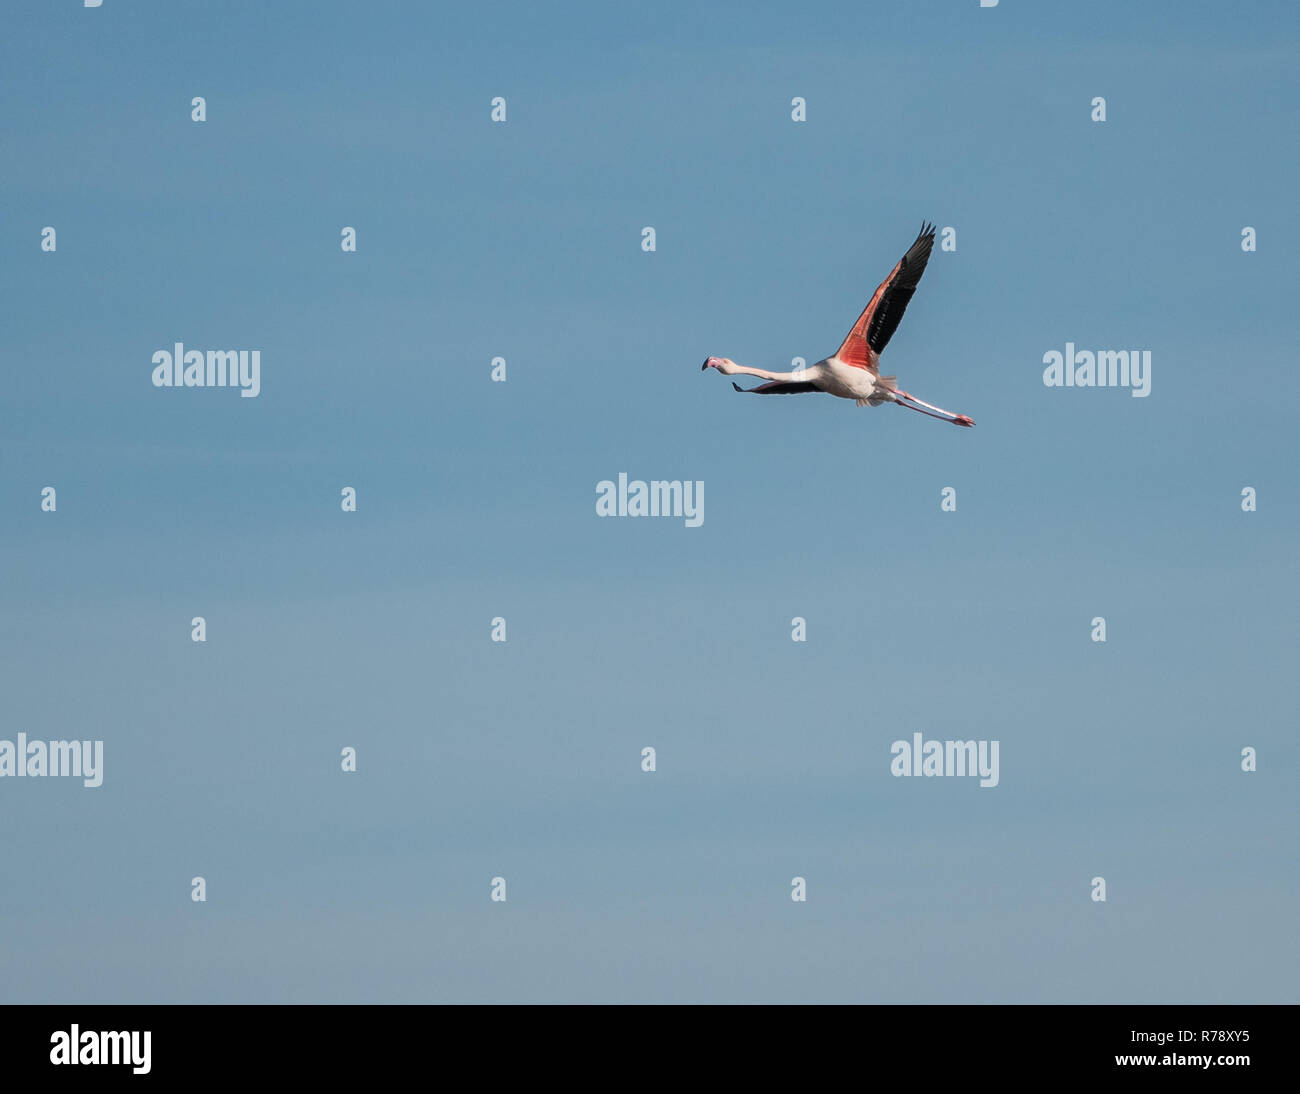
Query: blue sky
point(476, 500)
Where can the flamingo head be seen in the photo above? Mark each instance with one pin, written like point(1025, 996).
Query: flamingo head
point(720, 363)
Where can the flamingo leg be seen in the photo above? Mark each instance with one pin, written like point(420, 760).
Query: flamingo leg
point(940, 413)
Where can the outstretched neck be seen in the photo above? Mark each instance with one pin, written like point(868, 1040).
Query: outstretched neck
point(729, 367)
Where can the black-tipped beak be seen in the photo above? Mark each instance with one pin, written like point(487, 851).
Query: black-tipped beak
point(706, 363)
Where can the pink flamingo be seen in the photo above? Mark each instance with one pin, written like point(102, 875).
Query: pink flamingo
point(854, 370)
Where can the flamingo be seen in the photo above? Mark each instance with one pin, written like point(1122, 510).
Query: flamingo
point(854, 370)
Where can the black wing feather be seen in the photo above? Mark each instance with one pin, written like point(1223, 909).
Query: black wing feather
point(889, 312)
point(777, 387)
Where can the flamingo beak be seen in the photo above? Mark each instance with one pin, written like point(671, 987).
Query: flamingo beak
point(707, 362)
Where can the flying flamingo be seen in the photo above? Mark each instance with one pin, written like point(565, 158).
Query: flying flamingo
point(854, 371)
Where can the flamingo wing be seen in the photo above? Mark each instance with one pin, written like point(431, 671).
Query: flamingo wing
point(880, 318)
point(778, 387)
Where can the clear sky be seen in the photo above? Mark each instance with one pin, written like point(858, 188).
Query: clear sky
point(476, 499)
